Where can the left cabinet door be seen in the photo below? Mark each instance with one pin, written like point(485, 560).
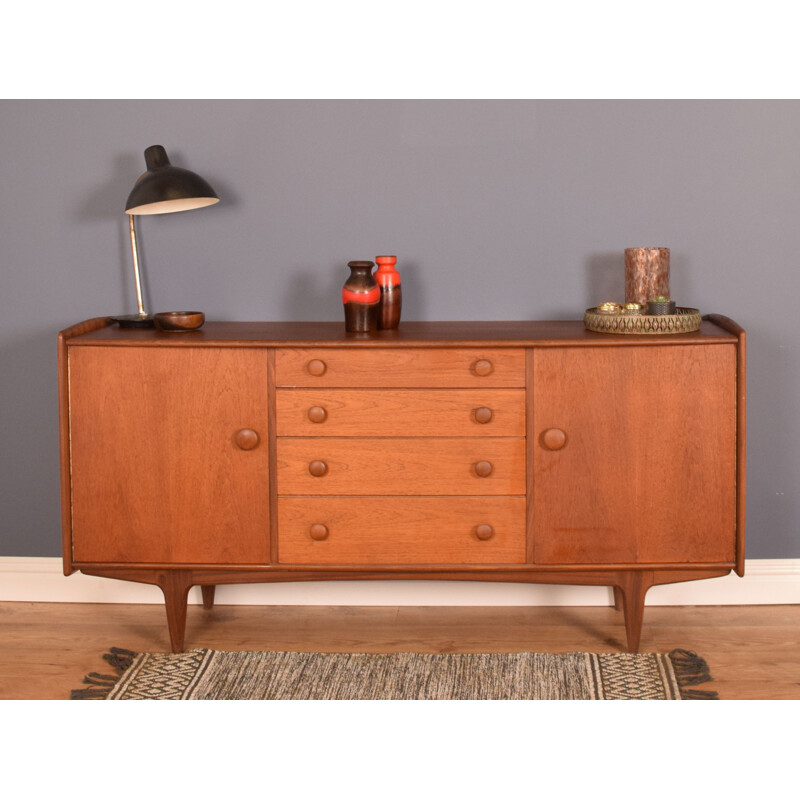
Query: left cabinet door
point(169, 456)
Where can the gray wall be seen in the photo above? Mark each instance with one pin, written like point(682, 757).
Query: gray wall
point(496, 210)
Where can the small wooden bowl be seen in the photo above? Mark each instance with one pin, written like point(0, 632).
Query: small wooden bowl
point(175, 321)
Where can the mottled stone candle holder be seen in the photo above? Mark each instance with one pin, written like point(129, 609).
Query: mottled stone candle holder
point(646, 273)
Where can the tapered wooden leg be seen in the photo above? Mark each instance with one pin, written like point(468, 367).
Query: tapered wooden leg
point(208, 597)
point(633, 586)
point(175, 585)
point(618, 601)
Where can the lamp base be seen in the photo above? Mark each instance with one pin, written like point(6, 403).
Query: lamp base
point(134, 321)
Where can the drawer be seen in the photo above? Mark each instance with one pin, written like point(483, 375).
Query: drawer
point(408, 530)
point(337, 466)
point(406, 367)
point(400, 412)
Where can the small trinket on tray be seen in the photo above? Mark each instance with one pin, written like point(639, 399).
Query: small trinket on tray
point(609, 308)
point(633, 309)
point(660, 305)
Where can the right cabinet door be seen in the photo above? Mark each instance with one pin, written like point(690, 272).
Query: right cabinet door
point(634, 454)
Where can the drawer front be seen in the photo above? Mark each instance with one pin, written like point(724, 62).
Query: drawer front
point(401, 412)
point(407, 367)
point(395, 530)
point(401, 466)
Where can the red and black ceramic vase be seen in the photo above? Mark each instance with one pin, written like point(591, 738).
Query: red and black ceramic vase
point(361, 297)
point(388, 278)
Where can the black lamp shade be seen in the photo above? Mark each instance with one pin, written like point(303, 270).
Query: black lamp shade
point(165, 189)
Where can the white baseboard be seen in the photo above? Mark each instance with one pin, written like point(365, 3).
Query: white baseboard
point(41, 580)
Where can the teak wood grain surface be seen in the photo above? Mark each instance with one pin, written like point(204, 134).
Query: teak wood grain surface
point(402, 530)
point(501, 451)
point(648, 469)
point(412, 333)
point(405, 466)
point(401, 412)
point(157, 476)
point(405, 369)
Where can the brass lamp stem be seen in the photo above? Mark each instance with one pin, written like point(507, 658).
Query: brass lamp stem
point(135, 254)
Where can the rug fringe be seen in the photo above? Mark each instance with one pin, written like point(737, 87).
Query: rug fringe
point(88, 694)
point(121, 660)
point(690, 669)
point(698, 694)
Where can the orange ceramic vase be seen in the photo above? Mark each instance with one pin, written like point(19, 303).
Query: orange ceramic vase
point(388, 278)
point(361, 297)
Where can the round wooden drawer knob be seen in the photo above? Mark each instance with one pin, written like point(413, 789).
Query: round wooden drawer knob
point(483, 469)
point(483, 367)
point(316, 367)
point(317, 414)
point(554, 438)
point(484, 532)
point(483, 415)
point(318, 532)
point(318, 468)
point(246, 439)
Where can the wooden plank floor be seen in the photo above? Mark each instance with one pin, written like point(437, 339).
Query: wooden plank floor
point(46, 648)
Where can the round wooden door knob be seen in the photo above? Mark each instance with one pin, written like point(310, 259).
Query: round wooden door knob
point(318, 532)
point(483, 469)
point(554, 438)
point(483, 367)
point(246, 439)
point(483, 415)
point(316, 367)
point(317, 414)
point(484, 532)
point(318, 468)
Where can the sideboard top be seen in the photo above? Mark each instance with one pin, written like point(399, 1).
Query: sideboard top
point(102, 331)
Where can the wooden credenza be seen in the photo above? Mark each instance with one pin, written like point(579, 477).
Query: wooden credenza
point(495, 451)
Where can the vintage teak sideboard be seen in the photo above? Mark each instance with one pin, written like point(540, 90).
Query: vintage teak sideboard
point(487, 451)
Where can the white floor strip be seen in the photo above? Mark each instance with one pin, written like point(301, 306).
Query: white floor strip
point(40, 580)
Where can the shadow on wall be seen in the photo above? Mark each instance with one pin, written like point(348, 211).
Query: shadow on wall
point(773, 469)
point(605, 281)
point(605, 278)
point(315, 293)
point(106, 203)
point(29, 476)
point(106, 200)
point(413, 280)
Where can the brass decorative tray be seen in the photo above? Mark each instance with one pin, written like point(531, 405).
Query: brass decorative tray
point(684, 320)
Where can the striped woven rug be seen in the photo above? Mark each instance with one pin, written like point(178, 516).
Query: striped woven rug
point(266, 675)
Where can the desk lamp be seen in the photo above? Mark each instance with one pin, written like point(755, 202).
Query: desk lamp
point(163, 189)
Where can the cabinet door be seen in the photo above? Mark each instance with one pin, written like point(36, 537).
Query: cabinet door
point(159, 473)
point(634, 454)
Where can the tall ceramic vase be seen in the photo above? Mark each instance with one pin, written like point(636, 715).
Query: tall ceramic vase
point(361, 297)
point(388, 278)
